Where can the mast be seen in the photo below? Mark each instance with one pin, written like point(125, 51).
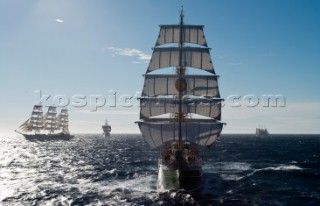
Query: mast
point(180, 72)
point(180, 107)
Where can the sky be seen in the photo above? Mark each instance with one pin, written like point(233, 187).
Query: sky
point(98, 50)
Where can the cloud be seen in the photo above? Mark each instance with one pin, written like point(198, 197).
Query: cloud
point(142, 57)
point(59, 20)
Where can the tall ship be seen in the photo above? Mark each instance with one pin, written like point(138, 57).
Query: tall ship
point(106, 129)
point(180, 105)
point(262, 131)
point(48, 126)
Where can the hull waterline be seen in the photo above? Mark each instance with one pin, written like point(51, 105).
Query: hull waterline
point(180, 168)
point(179, 179)
point(44, 137)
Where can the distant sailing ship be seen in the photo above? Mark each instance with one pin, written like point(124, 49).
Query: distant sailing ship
point(262, 132)
point(106, 129)
point(46, 127)
point(180, 111)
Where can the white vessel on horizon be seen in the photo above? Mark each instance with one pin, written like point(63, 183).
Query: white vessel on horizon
point(49, 126)
point(106, 129)
point(262, 131)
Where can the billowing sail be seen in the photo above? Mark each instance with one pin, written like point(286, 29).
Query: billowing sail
point(197, 131)
point(181, 106)
point(191, 34)
point(198, 85)
point(195, 57)
point(158, 106)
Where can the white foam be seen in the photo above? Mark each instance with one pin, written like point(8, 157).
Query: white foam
point(231, 177)
point(232, 166)
point(283, 168)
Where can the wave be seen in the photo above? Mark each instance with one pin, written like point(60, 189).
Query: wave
point(232, 170)
point(282, 168)
point(229, 166)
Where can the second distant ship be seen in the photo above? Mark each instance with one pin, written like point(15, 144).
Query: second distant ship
point(262, 132)
point(106, 129)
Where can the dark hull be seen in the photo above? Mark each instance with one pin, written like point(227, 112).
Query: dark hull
point(188, 179)
point(180, 167)
point(48, 137)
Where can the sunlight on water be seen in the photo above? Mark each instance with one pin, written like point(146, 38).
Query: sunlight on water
point(122, 170)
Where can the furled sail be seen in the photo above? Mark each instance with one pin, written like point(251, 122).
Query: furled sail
point(202, 133)
point(191, 34)
point(195, 57)
point(158, 106)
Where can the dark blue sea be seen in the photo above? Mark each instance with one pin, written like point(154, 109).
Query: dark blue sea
point(122, 170)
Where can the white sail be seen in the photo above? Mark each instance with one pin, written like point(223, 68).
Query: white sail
point(158, 106)
point(197, 131)
point(198, 85)
point(63, 121)
point(191, 57)
point(191, 34)
point(106, 128)
point(26, 126)
point(50, 122)
point(191, 100)
point(36, 120)
point(40, 126)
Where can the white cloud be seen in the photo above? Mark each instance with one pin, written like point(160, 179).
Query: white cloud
point(59, 20)
point(142, 57)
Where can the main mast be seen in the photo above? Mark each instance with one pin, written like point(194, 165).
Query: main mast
point(180, 72)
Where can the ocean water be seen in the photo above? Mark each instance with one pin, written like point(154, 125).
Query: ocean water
point(122, 170)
